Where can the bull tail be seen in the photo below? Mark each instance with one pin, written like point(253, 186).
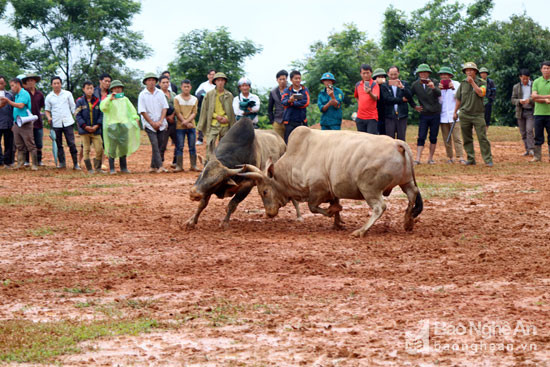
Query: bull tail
point(407, 156)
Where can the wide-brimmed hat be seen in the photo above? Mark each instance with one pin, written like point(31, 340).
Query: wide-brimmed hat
point(446, 70)
point(21, 77)
point(484, 70)
point(328, 76)
point(31, 76)
point(379, 72)
point(423, 67)
point(469, 65)
point(219, 75)
point(149, 76)
point(116, 83)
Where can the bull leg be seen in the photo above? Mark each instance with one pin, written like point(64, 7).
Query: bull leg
point(298, 214)
point(411, 190)
point(195, 218)
point(235, 201)
point(376, 202)
point(332, 211)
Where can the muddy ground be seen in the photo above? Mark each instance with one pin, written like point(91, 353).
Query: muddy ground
point(277, 292)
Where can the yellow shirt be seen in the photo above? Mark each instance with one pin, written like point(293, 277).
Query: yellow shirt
point(218, 110)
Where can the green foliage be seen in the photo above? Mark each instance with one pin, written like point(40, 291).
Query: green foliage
point(202, 49)
point(522, 43)
point(81, 38)
point(11, 50)
point(395, 29)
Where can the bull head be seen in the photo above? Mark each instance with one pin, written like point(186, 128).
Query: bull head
point(267, 187)
point(212, 176)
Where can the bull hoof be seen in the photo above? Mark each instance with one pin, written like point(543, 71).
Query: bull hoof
point(224, 225)
point(190, 224)
point(300, 219)
point(409, 226)
point(359, 233)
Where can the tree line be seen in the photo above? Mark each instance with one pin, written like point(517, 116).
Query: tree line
point(81, 39)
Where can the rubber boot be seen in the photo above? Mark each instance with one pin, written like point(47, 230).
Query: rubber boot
point(123, 165)
point(88, 165)
point(97, 166)
point(20, 159)
point(538, 154)
point(112, 166)
point(76, 167)
point(193, 159)
point(179, 164)
point(34, 159)
point(39, 156)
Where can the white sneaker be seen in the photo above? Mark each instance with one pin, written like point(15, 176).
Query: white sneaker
point(198, 143)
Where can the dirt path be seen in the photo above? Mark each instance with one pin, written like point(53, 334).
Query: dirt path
point(279, 292)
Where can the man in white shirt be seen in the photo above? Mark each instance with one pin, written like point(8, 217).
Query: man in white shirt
point(246, 103)
point(448, 89)
point(152, 107)
point(60, 108)
point(201, 91)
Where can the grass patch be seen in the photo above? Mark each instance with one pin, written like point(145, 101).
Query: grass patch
point(107, 186)
point(41, 231)
point(56, 200)
point(78, 290)
point(445, 190)
point(29, 342)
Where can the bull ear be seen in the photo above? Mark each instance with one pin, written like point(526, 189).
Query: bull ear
point(258, 177)
point(231, 182)
point(270, 168)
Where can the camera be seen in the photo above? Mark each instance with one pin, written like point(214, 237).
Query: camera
point(425, 81)
point(446, 84)
point(298, 96)
point(330, 86)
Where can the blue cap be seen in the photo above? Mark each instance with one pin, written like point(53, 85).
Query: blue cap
point(328, 76)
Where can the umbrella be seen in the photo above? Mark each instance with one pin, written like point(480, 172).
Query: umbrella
point(54, 146)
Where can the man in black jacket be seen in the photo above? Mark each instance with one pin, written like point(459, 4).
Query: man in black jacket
point(490, 96)
point(396, 95)
point(275, 108)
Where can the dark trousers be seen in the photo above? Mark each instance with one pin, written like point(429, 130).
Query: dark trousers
point(7, 156)
point(181, 134)
point(69, 137)
point(426, 122)
point(156, 138)
point(38, 141)
point(170, 134)
point(488, 112)
point(542, 123)
point(396, 128)
point(289, 128)
point(367, 126)
point(381, 127)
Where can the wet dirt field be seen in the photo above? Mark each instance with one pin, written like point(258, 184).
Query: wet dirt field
point(277, 292)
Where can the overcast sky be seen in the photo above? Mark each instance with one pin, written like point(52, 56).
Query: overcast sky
point(285, 29)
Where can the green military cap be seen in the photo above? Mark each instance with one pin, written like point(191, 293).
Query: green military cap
point(484, 70)
point(470, 65)
point(149, 76)
point(446, 70)
point(379, 72)
point(423, 67)
point(117, 83)
point(219, 75)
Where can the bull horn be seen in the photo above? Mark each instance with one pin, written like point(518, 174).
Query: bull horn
point(252, 175)
point(231, 182)
point(251, 168)
point(232, 171)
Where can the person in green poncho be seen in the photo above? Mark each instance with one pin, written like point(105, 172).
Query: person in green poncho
point(120, 127)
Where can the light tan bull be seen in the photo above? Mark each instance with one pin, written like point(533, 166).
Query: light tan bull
point(325, 166)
